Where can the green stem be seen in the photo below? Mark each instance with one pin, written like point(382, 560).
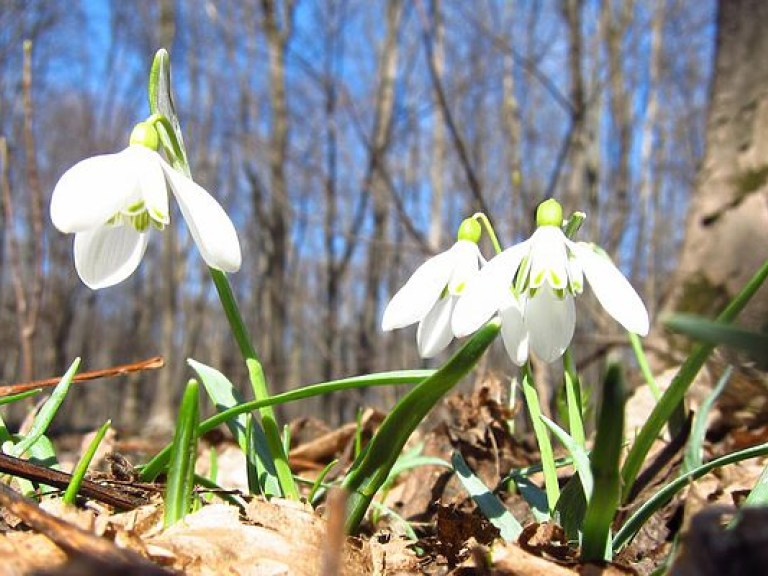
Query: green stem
point(542, 439)
point(483, 219)
point(258, 382)
point(574, 400)
point(645, 368)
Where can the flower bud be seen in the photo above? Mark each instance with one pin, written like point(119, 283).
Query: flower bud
point(549, 213)
point(145, 134)
point(470, 229)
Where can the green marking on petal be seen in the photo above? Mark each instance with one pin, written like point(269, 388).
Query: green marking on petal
point(134, 208)
point(140, 221)
point(539, 278)
point(158, 216)
point(554, 279)
point(560, 293)
point(459, 288)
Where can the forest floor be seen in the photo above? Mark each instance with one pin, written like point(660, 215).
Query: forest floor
point(453, 537)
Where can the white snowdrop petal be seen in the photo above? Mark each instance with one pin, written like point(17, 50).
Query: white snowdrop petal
point(417, 296)
point(612, 289)
point(210, 226)
point(549, 261)
point(550, 322)
point(434, 333)
point(486, 291)
point(513, 331)
point(93, 191)
point(154, 189)
point(466, 263)
point(108, 255)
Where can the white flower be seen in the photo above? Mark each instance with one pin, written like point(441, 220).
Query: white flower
point(532, 286)
point(430, 294)
point(111, 202)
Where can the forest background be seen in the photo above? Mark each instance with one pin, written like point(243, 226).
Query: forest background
point(347, 139)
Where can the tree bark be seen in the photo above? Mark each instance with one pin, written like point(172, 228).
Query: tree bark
point(726, 234)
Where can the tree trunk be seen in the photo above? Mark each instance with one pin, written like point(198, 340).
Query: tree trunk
point(377, 259)
point(277, 28)
point(726, 234)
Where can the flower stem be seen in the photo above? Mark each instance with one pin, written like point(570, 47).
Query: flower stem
point(483, 219)
point(258, 382)
point(642, 362)
point(574, 399)
point(542, 439)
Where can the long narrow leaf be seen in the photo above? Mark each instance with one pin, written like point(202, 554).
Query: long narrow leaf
point(399, 377)
point(658, 500)
point(718, 333)
point(679, 386)
point(487, 501)
point(534, 496)
point(19, 396)
point(224, 396)
point(82, 465)
point(577, 452)
point(542, 439)
point(693, 452)
point(606, 459)
point(47, 412)
point(181, 472)
point(371, 469)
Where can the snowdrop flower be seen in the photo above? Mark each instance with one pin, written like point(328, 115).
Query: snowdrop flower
point(111, 202)
point(430, 294)
point(532, 286)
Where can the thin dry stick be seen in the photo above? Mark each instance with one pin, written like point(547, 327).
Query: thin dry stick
point(148, 364)
point(72, 539)
point(58, 479)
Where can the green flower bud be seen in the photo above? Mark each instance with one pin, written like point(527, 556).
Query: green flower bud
point(471, 230)
point(146, 135)
point(549, 213)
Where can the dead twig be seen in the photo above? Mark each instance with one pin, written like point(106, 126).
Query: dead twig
point(58, 479)
point(148, 364)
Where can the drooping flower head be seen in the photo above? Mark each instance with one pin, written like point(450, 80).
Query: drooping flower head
point(532, 286)
point(430, 294)
point(111, 203)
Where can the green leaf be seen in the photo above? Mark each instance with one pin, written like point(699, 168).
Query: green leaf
point(718, 333)
point(675, 393)
point(82, 465)
point(534, 496)
point(262, 475)
point(19, 396)
point(487, 501)
point(224, 396)
point(150, 470)
point(606, 462)
point(161, 102)
point(181, 472)
point(577, 452)
point(47, 412)
point(692, 458)
point(371, 469)
point(542, 439)
point(660, 499)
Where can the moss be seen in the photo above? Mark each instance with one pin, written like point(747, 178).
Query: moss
point(750, 181)
point(702, 297)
